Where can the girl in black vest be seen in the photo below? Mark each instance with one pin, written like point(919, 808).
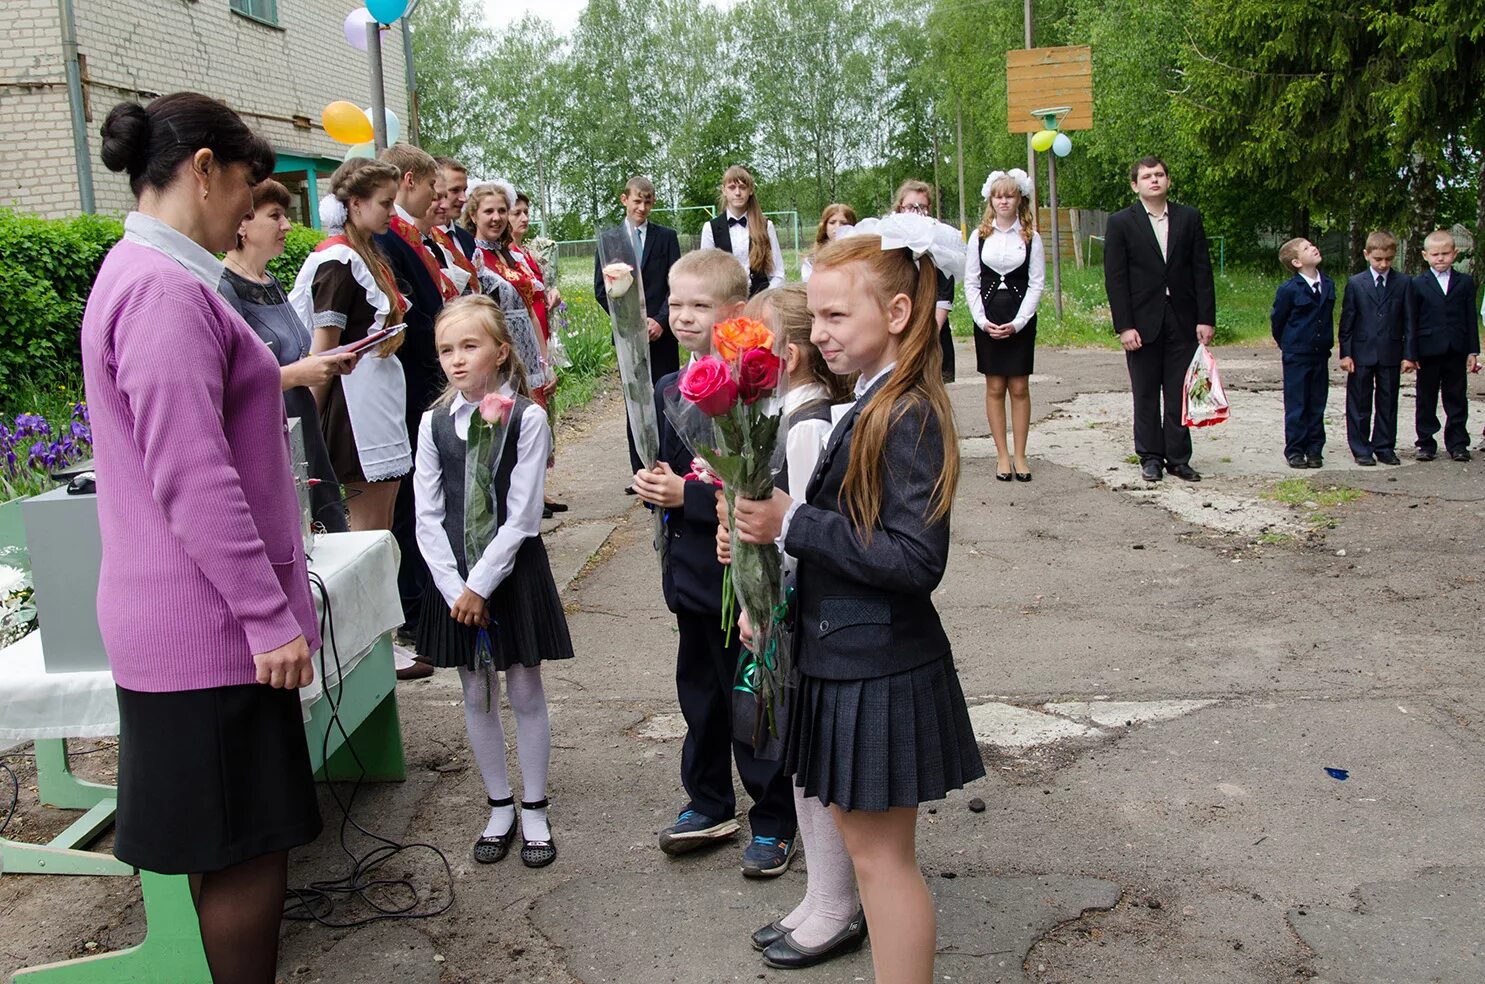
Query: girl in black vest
point(1004, 272)
point(507, 594)
point(742, 231)
point(879, 723)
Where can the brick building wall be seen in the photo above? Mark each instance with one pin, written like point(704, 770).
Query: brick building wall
point(143, 48)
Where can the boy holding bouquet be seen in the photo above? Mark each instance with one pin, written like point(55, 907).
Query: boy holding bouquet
point(708, 287)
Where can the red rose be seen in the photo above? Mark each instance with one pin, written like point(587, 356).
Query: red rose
point(708, 383)
point(757, 374)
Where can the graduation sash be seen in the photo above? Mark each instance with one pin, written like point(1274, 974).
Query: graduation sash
point(447, 244)
point(410, 235)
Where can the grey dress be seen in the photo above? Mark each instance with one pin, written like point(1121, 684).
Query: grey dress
point(266, 309)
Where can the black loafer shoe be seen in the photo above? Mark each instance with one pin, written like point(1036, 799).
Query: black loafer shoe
point(1298, 461)
point(789, 955)
point(1366, 461)
point(768, 935)
point(1150, 471)
point(1388, 458)
point(1423, 455)
point(557, 507)
point(1184, 472)
point(1460, 455)
point(1315, 460)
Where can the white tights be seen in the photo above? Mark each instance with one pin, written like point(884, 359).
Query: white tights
point(528, 701)
point(830, 899)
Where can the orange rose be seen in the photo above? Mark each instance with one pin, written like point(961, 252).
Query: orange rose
point(736, 336)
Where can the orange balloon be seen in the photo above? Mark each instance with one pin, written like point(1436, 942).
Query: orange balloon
point(346, 122)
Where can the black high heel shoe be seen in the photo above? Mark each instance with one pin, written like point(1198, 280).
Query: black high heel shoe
point(488, 850)
point(537, 853)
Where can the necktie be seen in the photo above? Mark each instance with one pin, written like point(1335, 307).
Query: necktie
point(1317, 291)
point(1381, 283)
point(639, 243)
point(741, 220)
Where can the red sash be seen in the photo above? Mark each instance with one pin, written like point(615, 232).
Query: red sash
point(398, 303)
point(460, 260)
point(410, 235)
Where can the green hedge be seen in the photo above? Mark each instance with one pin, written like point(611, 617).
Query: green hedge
point(47, 267)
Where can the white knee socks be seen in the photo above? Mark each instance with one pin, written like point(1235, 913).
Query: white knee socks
point(830, 899)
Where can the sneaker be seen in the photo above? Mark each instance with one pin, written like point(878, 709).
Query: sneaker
point(693, 830)
point(769, 857)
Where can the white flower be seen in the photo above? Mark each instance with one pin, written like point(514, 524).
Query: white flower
point(617, 279)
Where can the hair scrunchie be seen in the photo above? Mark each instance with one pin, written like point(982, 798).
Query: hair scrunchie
point(332, 215)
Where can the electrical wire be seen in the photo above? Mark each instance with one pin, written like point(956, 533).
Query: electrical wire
point(317, 901)
point(15, 797)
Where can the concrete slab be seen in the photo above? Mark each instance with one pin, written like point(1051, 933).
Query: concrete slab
point(571, 545)
point(1424, 930)
point(1010, 726)
point(1118, 713)
point(692, 926)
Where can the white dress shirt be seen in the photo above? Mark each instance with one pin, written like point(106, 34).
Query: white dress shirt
point(1314, 284)
point(1004, 251)
point(523, 503)
point(806, 267)
point(740, 243)
point(1160, 225)
point(803, 444)
point(1442, 278)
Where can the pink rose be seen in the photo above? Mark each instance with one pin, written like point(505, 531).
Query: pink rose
point(495, 408)
point(757, 374)
point(708, 383)
point(701, 472)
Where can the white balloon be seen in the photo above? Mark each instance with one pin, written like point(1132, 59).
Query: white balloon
point(394, 125)
point(1062, 146)
point(355, 28)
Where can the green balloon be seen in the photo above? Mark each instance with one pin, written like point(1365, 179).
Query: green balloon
point(1042, 141)
point(367, 149)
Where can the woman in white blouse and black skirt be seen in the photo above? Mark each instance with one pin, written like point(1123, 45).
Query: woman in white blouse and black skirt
point(1004, 272)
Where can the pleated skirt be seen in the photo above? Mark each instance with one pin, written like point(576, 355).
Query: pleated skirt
point(898, 740)
point(527, 624)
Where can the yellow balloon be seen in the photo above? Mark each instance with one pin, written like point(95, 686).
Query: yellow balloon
point(346, 122)
point(1040, 143)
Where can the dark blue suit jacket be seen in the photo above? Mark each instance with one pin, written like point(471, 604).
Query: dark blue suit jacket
point(692, 577)
point(418, 355)
point(1374, 321)
point(1438, 324)
point(662, 250)
point(1303, 324)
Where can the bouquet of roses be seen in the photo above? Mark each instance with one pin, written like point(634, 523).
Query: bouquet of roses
point(482, 455)
point(730, 411)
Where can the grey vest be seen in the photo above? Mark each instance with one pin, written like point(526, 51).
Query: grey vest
point(451, 458)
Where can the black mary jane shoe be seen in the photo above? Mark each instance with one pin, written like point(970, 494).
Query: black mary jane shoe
point(769, 935)
point(537, 853)
point(786, 954)
point(488, 850)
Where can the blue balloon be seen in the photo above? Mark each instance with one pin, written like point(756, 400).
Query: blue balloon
point(1062, 145)
point(386, 11)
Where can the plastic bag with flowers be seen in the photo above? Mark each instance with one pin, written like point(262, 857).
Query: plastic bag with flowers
point(544, 251)
point(482, 456)
point(729, 409)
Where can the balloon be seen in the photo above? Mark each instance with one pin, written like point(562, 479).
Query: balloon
point(367, 149)
point(345, 123)
point(394, 125)
point(1062, 145)
point(1042, 140)
point(355, 27)
point(386, 11)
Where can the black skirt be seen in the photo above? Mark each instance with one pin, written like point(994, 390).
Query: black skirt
point(1005, 356)
point(212, 778)
point(898, 740)
point(527, 624)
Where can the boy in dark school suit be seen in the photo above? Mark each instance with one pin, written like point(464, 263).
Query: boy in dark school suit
point(1373, 321)
point(658, 250)
point(708, 286)
point(1442, 343)
point(1303, 319)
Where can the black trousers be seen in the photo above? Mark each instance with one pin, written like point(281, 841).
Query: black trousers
point(1306, 389)
point(412, 571)
point(704, 672)
point(1157, 373)
point(946, 343)
point(1443, 374)
point(665, 358)
point(1370, 430)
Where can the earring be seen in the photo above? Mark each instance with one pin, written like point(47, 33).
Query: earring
point(204, 192)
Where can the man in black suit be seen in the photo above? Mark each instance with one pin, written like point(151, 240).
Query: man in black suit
point(1443, 344)
point(1158, 277)
point(456, 193)
point(1373, 320)
point(658, 249)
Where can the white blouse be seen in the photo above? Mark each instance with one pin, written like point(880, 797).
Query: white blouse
point(523, 503)
point(740, 242)
point(1003, 252)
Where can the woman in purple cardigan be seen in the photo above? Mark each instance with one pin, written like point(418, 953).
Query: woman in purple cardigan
point(203, 597)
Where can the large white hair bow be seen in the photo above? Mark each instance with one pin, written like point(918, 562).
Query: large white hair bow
point(332, 215)
point(918, 233)
point(1022, 179)
point(508, 188)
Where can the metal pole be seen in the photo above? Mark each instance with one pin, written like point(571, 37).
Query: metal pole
point(959, 142)
point(1056, 244)
point(378, 89)
point(1030, 154)
point(82, 155)
point(412, 81)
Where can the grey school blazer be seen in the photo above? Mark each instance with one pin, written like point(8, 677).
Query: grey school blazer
point(866, 610)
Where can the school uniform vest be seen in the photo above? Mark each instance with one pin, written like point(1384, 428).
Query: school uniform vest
point(813, 410)
point(722, 239)
point(1016, 282)
point(451, 457)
